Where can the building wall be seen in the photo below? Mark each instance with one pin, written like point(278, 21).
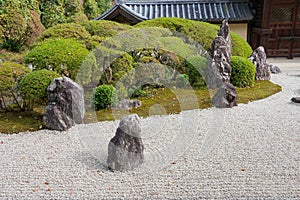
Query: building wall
point(241, 29)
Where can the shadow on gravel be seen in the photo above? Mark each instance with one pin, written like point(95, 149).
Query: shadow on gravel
point(87, 159)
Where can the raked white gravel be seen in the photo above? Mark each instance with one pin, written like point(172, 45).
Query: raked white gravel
point(249, 151)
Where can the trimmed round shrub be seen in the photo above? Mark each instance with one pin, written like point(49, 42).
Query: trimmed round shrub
point(243, 72)
point(61, 55)
point(67, 30)
point(105, 96)
point(105, 28)
point(33, 87)
point(201, 32)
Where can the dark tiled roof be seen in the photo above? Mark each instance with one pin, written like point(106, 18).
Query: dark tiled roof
point(205, 10)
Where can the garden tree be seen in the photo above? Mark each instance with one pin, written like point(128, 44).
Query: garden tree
point(52, 12)
point(72, 7)
point(33, 87)
point(64, 56)
point(91, 9)
point(10, 74)
point(19, 23)
point(103, 5)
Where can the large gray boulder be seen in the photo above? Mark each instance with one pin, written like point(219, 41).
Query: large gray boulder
point(259, 59)
point(226, 96)
point(126, 149)
point(65, 105)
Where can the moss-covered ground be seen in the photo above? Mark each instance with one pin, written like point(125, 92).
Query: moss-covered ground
point(165, 101)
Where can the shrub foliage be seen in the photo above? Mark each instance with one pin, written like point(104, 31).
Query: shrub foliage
point(105, 96)
point(201, 32)
point(10, 75)
point(243, 72)
point(33, 87)
point(61, 55)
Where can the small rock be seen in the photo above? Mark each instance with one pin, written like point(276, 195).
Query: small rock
point(125, 149)
point(296, 99)
point(128, 104)
point(274, 69)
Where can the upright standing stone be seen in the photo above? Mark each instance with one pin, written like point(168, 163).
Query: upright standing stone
point(220, 71)
point(65, 104)
point(126, 149)
point(259, 59)
point(221, 53)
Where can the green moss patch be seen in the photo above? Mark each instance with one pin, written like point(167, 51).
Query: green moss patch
point(13, 122)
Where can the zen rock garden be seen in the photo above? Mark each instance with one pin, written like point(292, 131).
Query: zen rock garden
point(66, 108)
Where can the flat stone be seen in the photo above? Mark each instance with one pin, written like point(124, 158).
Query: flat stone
point(126, 149)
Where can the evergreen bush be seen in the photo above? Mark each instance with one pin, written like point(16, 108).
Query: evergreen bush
point(243, 72)
point(10, 75)
point(33, 87)
point(64, 56)
point(105, 96)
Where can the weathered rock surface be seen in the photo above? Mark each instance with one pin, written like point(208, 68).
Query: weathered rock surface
point(274, 69)
point(65, 104)
point(128, 104)
point(221, 54)
point(226, 96)
point(126, 149)
point(296, 99)
point(259, 59)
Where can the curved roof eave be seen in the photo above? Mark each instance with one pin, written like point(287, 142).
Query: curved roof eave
point(124, 8)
